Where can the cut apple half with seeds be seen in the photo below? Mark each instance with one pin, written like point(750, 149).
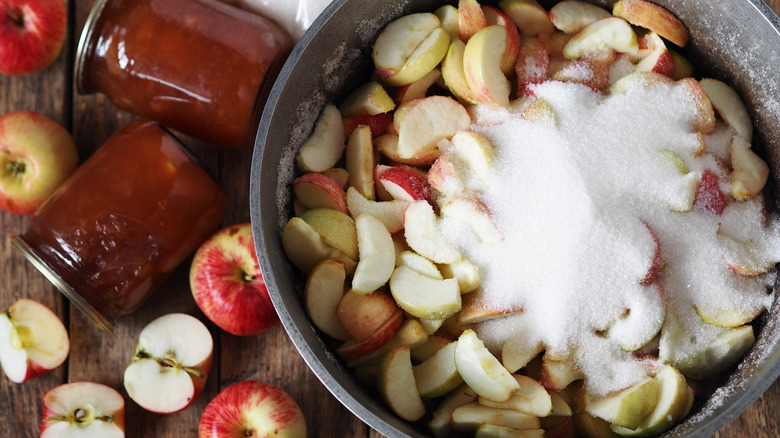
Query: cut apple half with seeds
point(83, 409)
point(324, 147)
point(482, 60)
point(613, 33)
point(423, 296)
point(171, 363)
point(481, 370)
point(377, 255)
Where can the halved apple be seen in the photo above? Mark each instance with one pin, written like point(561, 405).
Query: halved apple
point(481, 370)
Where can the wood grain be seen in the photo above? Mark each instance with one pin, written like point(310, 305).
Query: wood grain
point(101, 357)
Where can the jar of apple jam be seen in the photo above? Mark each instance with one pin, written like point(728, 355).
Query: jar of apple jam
point(201, 67)
point(111, 234)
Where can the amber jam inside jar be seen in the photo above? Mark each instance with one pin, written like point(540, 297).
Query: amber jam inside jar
point(198, 66)
point(110, 235)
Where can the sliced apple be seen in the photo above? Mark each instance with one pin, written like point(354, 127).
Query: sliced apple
point(471, 19)
point(682, 67)
point(317, 190)
point(304, 246)
point(518, 351)
point(454, 75)
point(472, 155)
point(675, 398)
point(639, 79)
point(482, 60)
point(337, 229)
point(476, 309)
point(532, 398)
point(396, 384)
point(709, 198)
point(556, 375)
point(441, 421)
point(612, 32)
point(653, 17)
point(750, 173)
point(627, 407)
point(469, 417)
point(438, 375)
point(390, 213)
point(403, 183)
point(387, 145)
point(496, 16)
point(363, 314)
point(360, 161)
point(530, 17)
point(539, 111)
point(324, 290)
point(377, 123)
point(450, 20)
point(571, 16)
point(729, 106)
point(353, 350)
point(494, 431)
point(423, 296)
point(377, 255)
point(323, 149)
point(370, 98)
point(533, 63)
point(419, 264)
point(704, 118)
point(409, 48)
point(747, 258)
point(423, 235)
point(417, 89)
point(592, 69)
point(431, 346)
point(339, 174)
point(465, 272)
point(443, 177)
point(726, 350)
point(473, 214)
point(655, 56)
point(424, 122)
point(481, 370)
point(642, 320)
point(409, 333)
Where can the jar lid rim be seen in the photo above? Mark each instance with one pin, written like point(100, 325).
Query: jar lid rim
point(86, 35)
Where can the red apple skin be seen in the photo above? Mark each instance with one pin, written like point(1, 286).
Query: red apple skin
point(37, 155)
point(353, 350)
point(334, 195)
point(252, 408)
point(709, 199)
point(227, 284)
point(377, 123)
point(412, 182)
point(31, 34)
point(363, 314)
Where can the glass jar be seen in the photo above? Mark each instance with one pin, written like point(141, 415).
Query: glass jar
point(198, 66)
point(131, 213)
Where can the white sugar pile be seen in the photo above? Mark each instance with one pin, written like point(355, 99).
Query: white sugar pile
point(576, 202)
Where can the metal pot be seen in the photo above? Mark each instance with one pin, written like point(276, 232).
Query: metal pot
point(737, 40)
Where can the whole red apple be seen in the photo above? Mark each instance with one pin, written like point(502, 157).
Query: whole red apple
point(37, 154)
point(252, 408)
point(31, 34)
point(227, 284)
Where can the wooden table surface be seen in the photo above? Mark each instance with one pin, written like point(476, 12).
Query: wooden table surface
point(101, 357)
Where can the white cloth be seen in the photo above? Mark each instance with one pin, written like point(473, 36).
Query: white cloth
point(294, 16)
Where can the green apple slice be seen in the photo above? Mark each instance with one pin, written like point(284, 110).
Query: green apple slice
point(337, 229)
point(438, 375)
point(481, 370)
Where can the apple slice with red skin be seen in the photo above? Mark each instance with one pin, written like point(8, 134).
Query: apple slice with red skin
point(377, 123)
point(317, 190)
point(471, 19)
point(655, 266)
point(533, 63)
point(83, 409)
point(171, 363)
point(227, 283)
point(497, 16)
point(422, 123)
point(704, 118)
point(482, 63)
point(363, 314)
point(709, 198)
point(443, 177)
point(37, 155)
point(387, 145)
point(32, 35)
point(396, 384)
point(33, 340)
point(352, 350)
point(324, 291)
point(403, 183)
point(653, 17)
point(655, 56)
point(612, 32)
point(410, 333)
point(454, 75)
point(360, 162)
point(324, 147)
point(252, 408)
